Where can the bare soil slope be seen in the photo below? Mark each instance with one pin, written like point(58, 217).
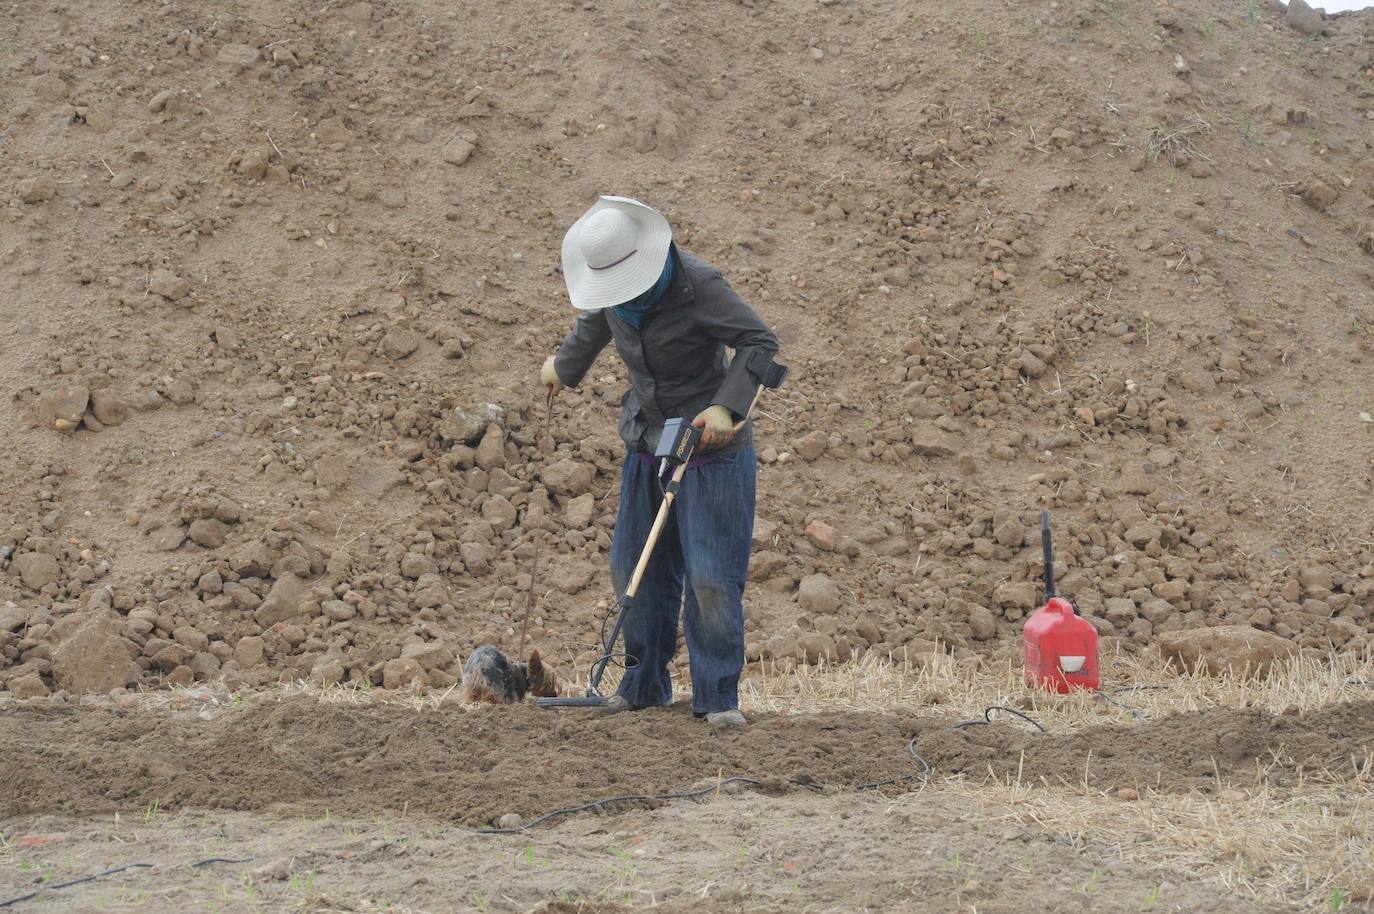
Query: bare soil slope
point(277, 278)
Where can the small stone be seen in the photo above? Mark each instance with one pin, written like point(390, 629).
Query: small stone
point(459, 149)
point(328, 670)
point(1008, 530)
point(1129, 794)
point(63, 405)
point(169, 285)
point(37, 189)
point(36, 569)
point(209, 532)
point(109, 407)
point(491, 452)
point(12, 617)
point(466, 426)
point(568, 477)
point(212, 582)
point(1238, 649)
point(499, 510)
point(579, 511)
point(95, 656)
point(159, 101)
point(181, 393)
point(1319, 195)
point(1032, 366)
point(190, 637)
point(818, 594)
point(1020, 595)
point(813, 647)
point(238, 56)
point(399, 343)
point(402, 673)
point(169, 538)
point(205, 665)
point(283, 601)
point(812, 446)
point(29, 685)
point(982, 622)
point(430, 655)
point(509, 820)
point(821, 535)
point(249, 652)
point(415, 564)
point(430, 590)
point(1302, 18)
point(338, 610)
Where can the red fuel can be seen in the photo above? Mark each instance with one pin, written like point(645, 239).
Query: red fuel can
point(1061, 648)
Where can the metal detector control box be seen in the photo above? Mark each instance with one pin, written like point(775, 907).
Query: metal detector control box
point(678, 441)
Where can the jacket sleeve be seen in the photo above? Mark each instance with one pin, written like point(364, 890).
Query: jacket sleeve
point(589, 335)
point(725, 316)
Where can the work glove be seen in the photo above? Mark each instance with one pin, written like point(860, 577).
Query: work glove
point(717, 426)
point(549, 378)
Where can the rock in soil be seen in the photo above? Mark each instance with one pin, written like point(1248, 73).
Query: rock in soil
point(37, 569)
point(95, 656)
point(283, 601)
point(1215, 651)
point(62, 407)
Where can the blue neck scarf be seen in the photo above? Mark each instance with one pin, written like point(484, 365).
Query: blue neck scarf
point(633, 311)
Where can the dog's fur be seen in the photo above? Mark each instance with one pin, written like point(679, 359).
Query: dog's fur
point(490, 678)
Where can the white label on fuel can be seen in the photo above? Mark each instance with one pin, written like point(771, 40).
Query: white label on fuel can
point(1071, 664)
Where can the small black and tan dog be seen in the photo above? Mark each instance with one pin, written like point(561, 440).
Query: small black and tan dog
point(490, 678)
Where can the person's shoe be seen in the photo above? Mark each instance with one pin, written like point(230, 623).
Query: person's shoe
point(723, 719)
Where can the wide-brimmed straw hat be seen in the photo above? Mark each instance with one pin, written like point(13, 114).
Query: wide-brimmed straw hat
point(614, 252)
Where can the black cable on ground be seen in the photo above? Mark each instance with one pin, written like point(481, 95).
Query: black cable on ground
point(625, 798)
point(71, 882)
point(987, 718)
point(119, 869)
point(199, 863)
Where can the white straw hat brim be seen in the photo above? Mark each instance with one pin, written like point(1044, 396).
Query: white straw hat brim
point(592, 289)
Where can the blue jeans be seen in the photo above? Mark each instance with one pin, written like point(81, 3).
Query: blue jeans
point(697, 571)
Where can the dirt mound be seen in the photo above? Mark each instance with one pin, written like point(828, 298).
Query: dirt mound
point(279, 281)
point(472, 767)
point(1179, 752)
point(476, 767)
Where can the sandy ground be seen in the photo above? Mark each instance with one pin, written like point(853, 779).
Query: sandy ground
point(926, 851)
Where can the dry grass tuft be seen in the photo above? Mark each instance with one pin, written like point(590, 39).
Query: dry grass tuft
point(1137, 685)
point(1313, 848)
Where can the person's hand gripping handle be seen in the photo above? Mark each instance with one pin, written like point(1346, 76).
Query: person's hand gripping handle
point(549, 378)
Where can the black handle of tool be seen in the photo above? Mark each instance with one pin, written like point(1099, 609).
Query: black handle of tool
point(1049, 555)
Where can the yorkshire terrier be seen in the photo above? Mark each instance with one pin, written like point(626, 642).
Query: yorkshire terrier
point(490, 678)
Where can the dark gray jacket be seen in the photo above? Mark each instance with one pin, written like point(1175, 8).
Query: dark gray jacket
point(676, 357)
